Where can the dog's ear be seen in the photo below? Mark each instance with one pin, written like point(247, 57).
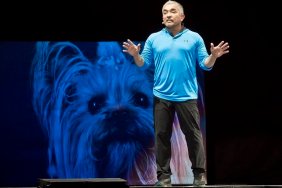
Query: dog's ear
point(110, 54)
point(54, 67)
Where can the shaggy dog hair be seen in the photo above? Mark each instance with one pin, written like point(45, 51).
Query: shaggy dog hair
point(98, 114)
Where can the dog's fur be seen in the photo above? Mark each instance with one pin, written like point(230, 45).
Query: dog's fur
point(97, 114)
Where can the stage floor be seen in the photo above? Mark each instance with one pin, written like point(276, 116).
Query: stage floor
point(207, 186)
point(219, 186)
point(187, 186)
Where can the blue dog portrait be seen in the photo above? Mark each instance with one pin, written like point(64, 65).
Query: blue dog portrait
point(95, 106)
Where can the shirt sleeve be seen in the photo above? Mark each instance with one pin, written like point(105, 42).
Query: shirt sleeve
point(202, 54)
point(147, 53)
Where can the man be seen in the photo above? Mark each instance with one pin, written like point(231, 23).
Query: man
point(175, 51)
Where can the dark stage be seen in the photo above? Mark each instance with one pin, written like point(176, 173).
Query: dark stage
point(242, 93)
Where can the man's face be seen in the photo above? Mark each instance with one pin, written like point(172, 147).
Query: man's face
point(172, 16)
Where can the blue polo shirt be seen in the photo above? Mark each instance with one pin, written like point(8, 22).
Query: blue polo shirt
point(175, 59)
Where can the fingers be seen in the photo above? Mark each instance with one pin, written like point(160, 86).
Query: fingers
point(212, 45)
point(223, 44)
point(125, 45)
point(128, 44)
point(131, 48)
point(225, 47)
point(220, 44)
point(220, 49)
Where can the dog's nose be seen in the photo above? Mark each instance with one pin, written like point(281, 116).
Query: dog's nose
point(118, 114)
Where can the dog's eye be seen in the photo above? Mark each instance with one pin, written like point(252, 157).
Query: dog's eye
point(140, 99)
point(96, 103)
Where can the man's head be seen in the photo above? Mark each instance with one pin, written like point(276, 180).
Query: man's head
point(173, 13)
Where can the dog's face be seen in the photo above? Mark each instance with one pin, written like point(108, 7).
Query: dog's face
point(98, 114)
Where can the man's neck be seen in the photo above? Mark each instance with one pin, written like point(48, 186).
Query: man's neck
point(175, 30)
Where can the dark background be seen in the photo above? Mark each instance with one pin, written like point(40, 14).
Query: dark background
point(243, 91)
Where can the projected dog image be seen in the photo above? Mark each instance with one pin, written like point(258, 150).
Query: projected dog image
point(96, 111)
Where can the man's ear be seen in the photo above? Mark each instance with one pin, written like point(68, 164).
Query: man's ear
point(182, 17)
